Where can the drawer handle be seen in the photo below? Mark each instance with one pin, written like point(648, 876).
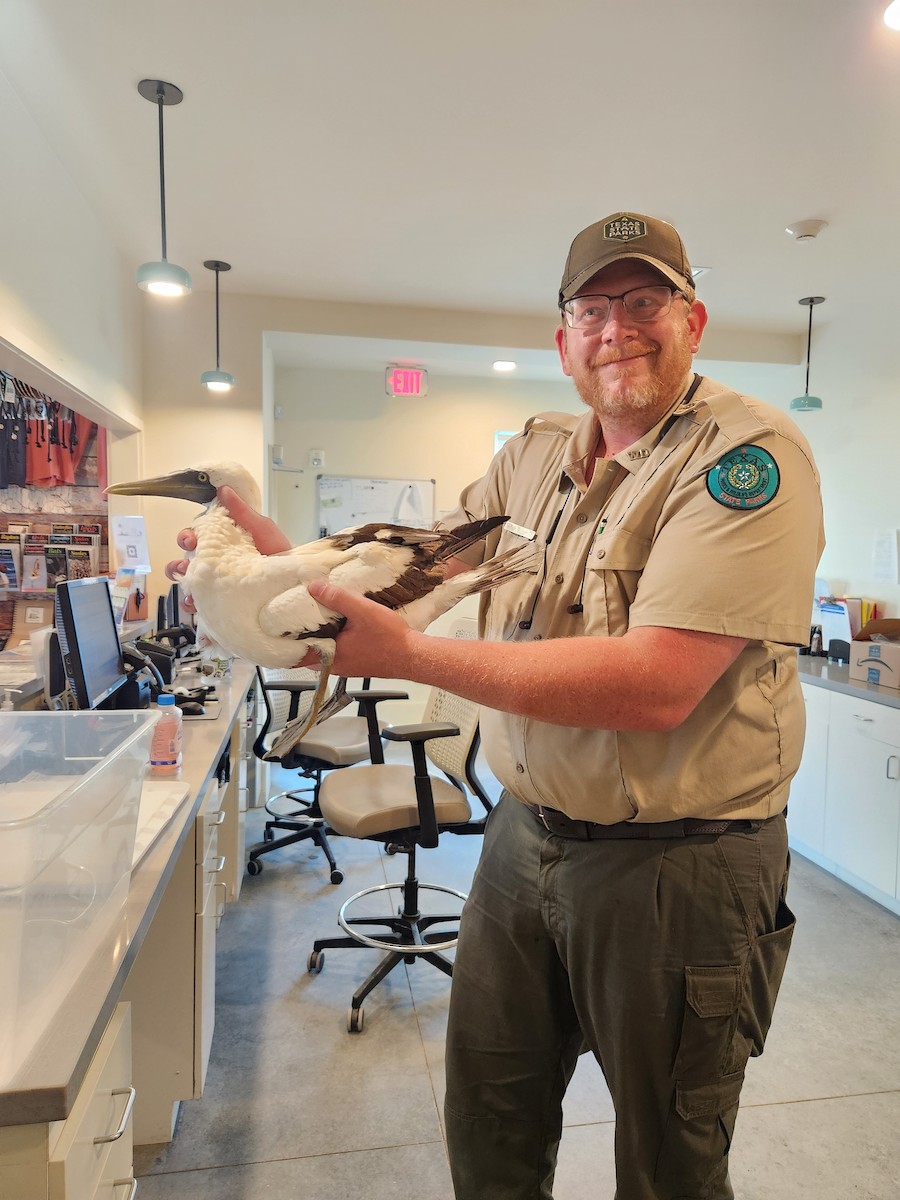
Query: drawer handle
point(220, 912)
point(130, 1092)
point(892, 772)
point(860, 717)
point(131, 1183)
point(220, 866)
point(219, 817)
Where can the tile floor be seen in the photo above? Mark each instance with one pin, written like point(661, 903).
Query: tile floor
point(297, 1108)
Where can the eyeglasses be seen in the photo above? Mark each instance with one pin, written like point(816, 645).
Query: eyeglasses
point(641, 304)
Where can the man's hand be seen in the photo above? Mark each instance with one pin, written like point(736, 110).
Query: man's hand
point(266, 535)
point(375, 641)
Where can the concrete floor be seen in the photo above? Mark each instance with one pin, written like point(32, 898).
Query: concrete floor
point(297, 1108)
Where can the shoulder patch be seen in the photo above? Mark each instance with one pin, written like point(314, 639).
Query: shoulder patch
point(746, 477)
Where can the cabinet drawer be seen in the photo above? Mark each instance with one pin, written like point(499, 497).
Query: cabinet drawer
point(99, 1120)
point(867, 719)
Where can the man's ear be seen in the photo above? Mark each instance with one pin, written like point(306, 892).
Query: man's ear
point(697, 318)
point(562, 349)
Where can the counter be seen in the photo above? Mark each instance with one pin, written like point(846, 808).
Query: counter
point(836, 678)
point(844, 804)
point(45, 1088)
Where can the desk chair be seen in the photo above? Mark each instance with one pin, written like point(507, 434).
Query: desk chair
point(406, 807)
point(340, 741)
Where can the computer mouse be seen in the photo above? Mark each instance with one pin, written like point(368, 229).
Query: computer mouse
point(191, 708)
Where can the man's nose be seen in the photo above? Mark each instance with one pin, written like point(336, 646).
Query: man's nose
point(618, 322)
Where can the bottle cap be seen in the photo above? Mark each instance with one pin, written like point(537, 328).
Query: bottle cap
point(165, 698)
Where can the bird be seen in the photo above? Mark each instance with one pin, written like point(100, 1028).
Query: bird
point(257, 607)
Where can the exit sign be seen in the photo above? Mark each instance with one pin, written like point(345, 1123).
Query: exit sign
point(406, 381)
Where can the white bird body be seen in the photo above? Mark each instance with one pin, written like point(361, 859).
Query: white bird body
point(257, 606)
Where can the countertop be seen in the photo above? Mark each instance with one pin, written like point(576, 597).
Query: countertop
point(46, 1086)
point(836, 678)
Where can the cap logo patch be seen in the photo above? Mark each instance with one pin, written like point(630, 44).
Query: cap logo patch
point(624, 229)
point(744, 478)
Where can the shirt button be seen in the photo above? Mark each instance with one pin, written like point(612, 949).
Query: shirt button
point(601, 554)
point(581, 518)
point(559, 578)
point(520, 768)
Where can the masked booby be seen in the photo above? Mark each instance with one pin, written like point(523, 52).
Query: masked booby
point(257, 606)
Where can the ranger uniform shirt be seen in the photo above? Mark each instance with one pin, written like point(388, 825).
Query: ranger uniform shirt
point(713, 522)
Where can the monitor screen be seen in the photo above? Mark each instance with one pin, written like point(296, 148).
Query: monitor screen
point(168, 609)
point(89, 640)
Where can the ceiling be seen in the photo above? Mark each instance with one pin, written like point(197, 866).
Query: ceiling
point(417, 152)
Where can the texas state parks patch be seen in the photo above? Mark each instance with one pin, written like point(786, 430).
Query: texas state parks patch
point(746, 477)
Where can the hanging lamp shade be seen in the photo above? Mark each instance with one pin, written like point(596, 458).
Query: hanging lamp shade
point(806, 402)
point(162, 278)
point(217, 380)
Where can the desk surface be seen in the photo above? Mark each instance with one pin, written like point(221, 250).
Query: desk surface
point(49, 1081)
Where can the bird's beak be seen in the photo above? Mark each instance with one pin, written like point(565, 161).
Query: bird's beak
point(182, 485)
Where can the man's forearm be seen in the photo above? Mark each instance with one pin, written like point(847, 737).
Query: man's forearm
point(648, 680)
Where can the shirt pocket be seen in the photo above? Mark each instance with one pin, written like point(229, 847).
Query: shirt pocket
point(612, 575)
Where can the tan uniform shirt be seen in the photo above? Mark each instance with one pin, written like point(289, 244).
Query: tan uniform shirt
point(646, 543)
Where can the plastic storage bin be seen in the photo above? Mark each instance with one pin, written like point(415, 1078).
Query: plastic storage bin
point(70, 792)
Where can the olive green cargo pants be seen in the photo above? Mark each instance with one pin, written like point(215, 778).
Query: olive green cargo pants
point(661, 956)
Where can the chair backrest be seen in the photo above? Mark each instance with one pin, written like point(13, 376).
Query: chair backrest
point(280, 706)
point(455, 756)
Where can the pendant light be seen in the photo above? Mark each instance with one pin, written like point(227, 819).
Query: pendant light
point(217, 381)
point(806, 402)
point(162, 278)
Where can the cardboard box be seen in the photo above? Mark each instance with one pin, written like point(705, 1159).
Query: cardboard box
point(876, 662)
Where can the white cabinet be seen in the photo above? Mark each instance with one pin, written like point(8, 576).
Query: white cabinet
point(806, 806)
point(210, 905)
point(89, 1155)
point(844, 806)
point(862, 793)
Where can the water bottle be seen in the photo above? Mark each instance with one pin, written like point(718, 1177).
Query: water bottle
point(165, 749)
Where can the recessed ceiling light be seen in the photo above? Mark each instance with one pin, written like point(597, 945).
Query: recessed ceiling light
point(892, 15)
point(504, 364)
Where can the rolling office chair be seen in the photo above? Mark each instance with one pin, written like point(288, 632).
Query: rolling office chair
point(407, 807)
point(340, 741)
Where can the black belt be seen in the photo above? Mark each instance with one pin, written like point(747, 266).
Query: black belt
point(587, 831)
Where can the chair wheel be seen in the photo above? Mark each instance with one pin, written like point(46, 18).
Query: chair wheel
point(315, 962)
point(254, 867)
point(337, 876)
point(355, 1020)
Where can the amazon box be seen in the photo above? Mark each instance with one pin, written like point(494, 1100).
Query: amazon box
point(876, 661)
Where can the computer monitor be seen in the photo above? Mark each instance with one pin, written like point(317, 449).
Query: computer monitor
point(89, 641)
point(168, 609)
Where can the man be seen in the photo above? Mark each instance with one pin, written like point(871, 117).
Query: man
point(643, 712)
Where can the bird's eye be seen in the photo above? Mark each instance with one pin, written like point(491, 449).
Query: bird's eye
point(203, 477)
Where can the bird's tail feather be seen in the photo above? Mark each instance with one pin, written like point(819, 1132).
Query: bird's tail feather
point(501, 569)
point(336, 702)
point(463, 536)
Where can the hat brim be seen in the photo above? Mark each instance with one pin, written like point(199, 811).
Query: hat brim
point(589, 272)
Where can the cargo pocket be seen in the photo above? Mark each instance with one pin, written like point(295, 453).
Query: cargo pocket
point(712, 1000)
point(693, 1154)
point(764, 974)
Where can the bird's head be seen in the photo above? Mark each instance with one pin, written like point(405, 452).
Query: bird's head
point(199, 484)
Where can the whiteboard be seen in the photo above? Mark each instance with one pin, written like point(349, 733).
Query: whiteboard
point(345, 500)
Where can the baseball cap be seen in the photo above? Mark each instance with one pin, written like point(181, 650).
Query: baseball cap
point(626, 235)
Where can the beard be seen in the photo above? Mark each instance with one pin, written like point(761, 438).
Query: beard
point(610, 394)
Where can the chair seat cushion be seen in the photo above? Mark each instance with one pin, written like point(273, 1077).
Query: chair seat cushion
point(373, 800)
point(341, 741)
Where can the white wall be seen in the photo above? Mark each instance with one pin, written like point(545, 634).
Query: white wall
point(68, 304)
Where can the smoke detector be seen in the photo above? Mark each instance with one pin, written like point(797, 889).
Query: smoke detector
point(805, 231)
